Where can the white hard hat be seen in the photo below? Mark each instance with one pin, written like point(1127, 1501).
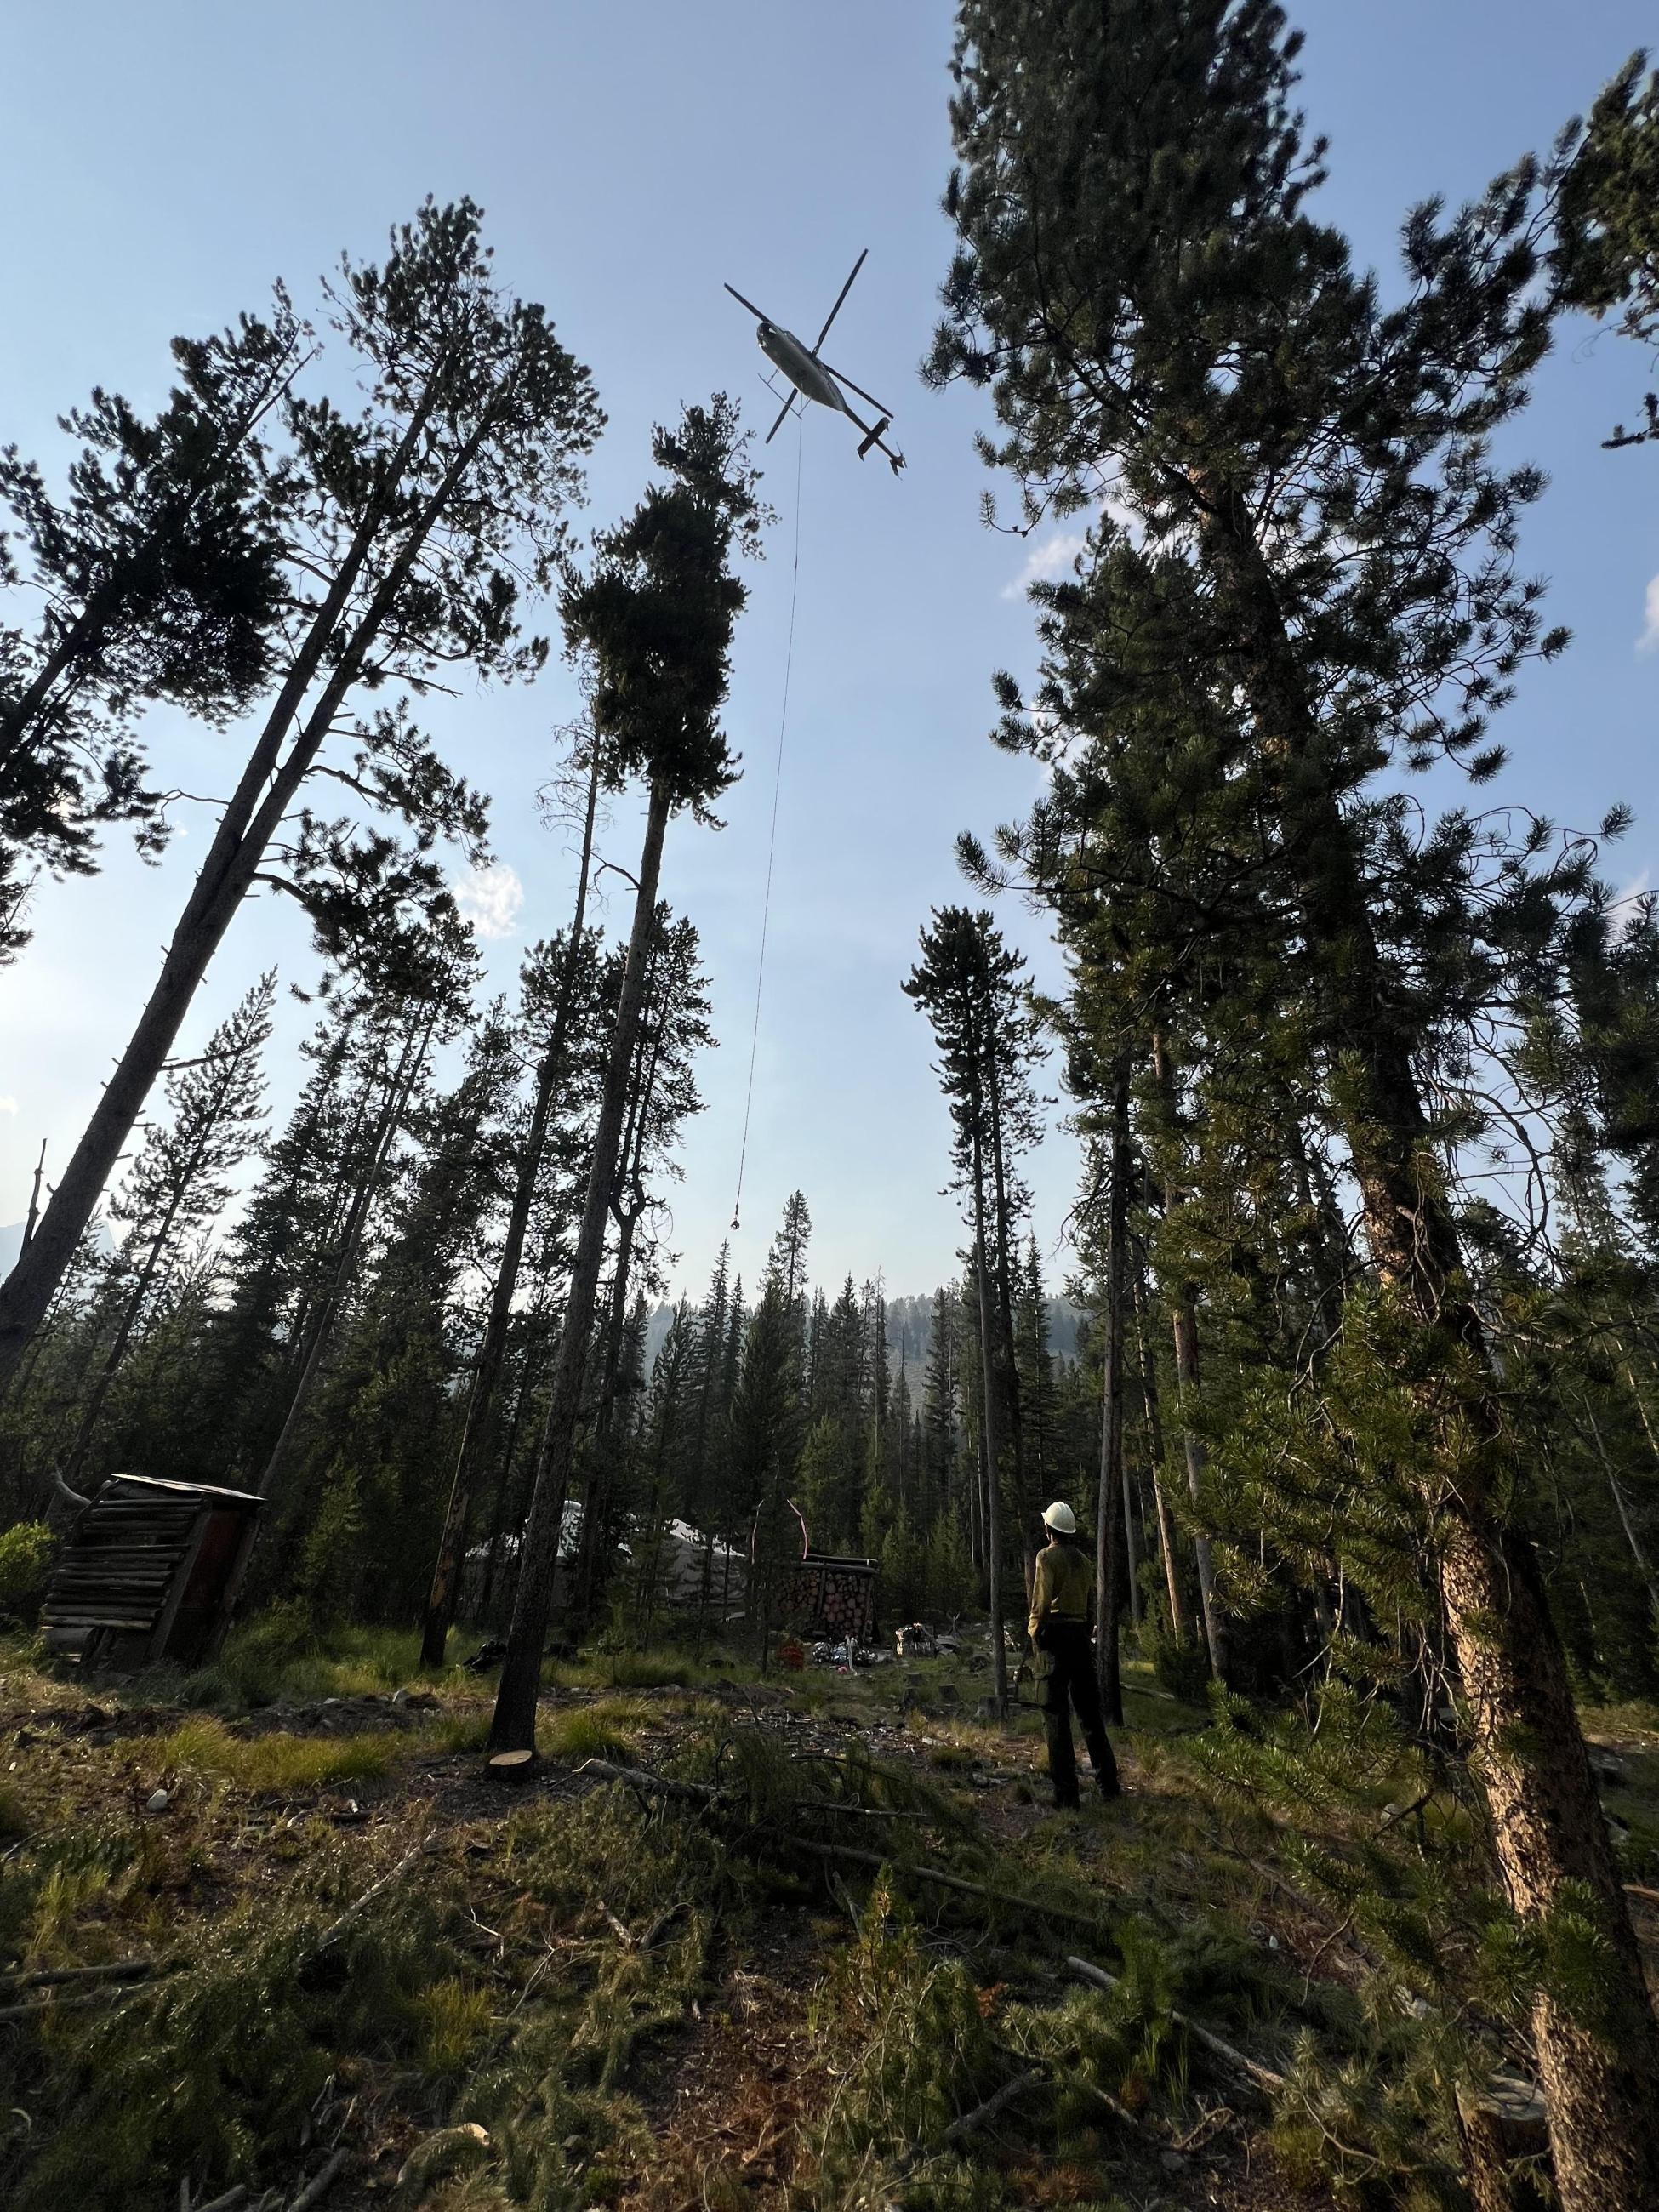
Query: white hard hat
point(1060, 1516)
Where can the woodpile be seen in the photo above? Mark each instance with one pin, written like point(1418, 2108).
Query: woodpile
point(832, 1597)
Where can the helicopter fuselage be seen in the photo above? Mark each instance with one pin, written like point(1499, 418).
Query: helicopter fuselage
point(808, 374)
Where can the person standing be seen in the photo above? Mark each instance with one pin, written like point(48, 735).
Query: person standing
point(1062, 1606)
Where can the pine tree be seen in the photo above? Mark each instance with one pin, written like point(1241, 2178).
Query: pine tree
point(940, 1413)
point(412, 523)
point(180, 1183)
point(1605, 255)
point(432, 1013)
point(1325, 563)
point(971, 989)
point(159, 577)
point(381, 1414)
point(657, 617)
point(662, 1095)
point(478, 1437)
point(668, 1440)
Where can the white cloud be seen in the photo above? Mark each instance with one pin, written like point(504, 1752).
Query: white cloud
point(8, 1105)
point(1054, 556)
point(490, 899)
point(1046, 562)
point(1624, 910)
point(1650, 637)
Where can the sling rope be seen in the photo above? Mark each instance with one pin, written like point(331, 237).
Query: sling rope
point(772, 840)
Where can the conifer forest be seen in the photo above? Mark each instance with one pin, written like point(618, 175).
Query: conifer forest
point(506, 1703)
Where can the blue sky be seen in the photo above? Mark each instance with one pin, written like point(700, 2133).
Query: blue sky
point(630, 156)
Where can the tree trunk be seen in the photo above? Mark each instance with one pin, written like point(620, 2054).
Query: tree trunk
point(403, 1085)
point(34, 1199)
point(1183, 1321)
point(599, 1495)
point(1113, 1493)
point(592, 1562)
point(1598, 2051)
point(513, 1726)
point(1644, 1566)
point(478, 1433)
point(503, 1483)
point(988, 1429)
point(1131, 1545)
point(1179, 1618)
point(1007, 1363)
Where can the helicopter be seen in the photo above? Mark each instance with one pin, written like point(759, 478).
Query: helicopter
point(814, 379)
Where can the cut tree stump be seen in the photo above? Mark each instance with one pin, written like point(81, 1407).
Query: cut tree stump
point(1506, 2121)
point(512, 1767)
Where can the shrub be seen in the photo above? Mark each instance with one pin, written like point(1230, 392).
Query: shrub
point(909, 2038)
point(206, 2071)
point(25, 1556)
point(1180, 1664)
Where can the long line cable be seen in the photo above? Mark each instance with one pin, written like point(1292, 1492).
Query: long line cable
point(771, 839)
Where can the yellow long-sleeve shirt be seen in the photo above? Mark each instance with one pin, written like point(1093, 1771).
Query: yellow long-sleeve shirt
point(1063, 1587)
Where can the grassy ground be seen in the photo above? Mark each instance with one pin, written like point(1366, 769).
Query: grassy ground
point(759, 1993)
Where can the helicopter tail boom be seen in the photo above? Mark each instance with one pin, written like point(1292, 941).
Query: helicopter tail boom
point(874, 437)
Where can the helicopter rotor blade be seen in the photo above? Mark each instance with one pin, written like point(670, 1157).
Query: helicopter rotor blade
point(880, 406)
point(839, 296)
point(783, 412)
point(749, 304)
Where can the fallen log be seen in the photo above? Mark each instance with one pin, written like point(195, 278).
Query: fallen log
point(316, 2189)
point(46, 2006)
point(1264, 2077)
point(701, 1793)
point(944, 1880)
point(654, 1785)
point(332, 1933)
point(114, 1970)
point(970, 2122)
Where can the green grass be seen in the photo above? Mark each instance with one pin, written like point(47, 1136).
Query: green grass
point(277, 1762)
point(597, 1731)
point(647, 1670)
point(275, 1658)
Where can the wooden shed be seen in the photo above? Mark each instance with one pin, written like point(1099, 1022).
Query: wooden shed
point(150, 1570)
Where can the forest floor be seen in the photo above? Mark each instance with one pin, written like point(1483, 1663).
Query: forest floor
point(346, 1956)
